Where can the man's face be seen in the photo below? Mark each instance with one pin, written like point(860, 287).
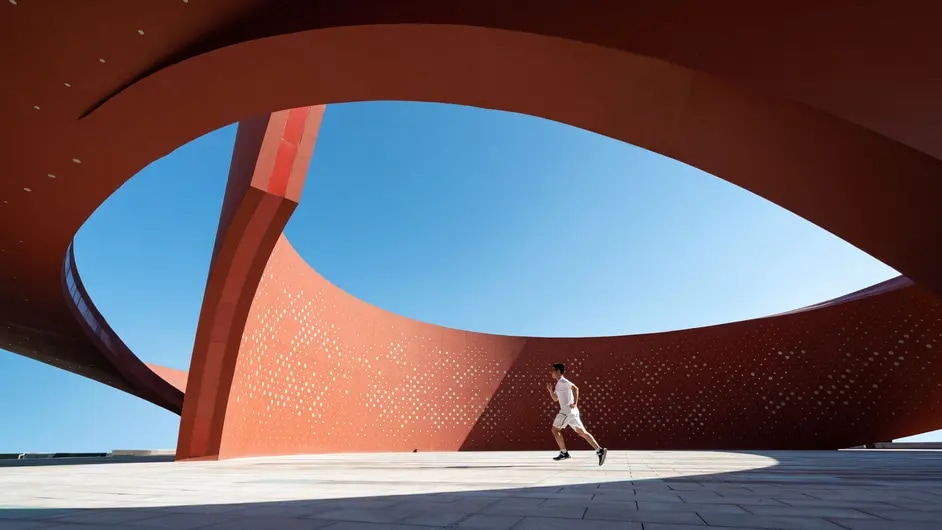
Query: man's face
point(556, 375)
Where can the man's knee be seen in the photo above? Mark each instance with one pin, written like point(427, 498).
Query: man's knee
point(583, 433)
point(555, 429)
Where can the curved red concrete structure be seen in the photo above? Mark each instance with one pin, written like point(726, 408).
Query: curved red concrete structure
point(829, 109)
point(320, 371)
point(135, 377)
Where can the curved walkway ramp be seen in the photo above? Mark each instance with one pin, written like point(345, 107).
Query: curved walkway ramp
point(109, 354)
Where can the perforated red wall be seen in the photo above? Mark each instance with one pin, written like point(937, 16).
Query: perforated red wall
point(319, 370)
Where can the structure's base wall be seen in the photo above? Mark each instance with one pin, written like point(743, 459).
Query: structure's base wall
point(320, 371)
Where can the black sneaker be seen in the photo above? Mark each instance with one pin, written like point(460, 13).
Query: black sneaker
point(602, 453)
point(561, 456)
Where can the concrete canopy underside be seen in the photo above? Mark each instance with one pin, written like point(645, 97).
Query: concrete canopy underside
point(829, 109)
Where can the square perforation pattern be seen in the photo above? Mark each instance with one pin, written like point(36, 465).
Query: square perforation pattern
point(320, 371)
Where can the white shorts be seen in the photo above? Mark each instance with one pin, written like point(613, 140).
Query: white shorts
point(564, 420)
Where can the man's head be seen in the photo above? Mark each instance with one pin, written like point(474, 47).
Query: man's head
point(558, 370)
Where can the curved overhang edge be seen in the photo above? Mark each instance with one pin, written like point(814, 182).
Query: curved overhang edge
point(670, 105)
point(716, 55)
point(141, 380)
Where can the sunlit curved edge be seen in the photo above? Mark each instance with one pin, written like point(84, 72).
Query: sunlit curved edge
point(139, 376)
point(893, 284)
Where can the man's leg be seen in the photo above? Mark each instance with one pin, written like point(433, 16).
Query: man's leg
point(558, 425)
point(600, 451)
point(558, 434)
point(587, 436)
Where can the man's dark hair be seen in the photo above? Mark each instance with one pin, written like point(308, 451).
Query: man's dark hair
point(559, 367)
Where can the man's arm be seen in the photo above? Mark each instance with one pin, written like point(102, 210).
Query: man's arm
point(575, 396)
point(549, 387)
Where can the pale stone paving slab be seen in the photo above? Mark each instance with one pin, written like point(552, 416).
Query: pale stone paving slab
point(658, 490)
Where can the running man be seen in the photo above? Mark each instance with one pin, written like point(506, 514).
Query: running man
point(567, 394)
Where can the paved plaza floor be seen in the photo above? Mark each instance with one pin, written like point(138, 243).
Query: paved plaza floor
point(851, 490)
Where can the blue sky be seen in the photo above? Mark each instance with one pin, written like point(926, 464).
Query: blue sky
point(469, 218)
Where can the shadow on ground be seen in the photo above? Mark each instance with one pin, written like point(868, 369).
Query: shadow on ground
point(850, 490)
point(82, 461)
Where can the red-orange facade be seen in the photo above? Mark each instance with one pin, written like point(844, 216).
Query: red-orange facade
point(830, 109)
point(317, 370)
point(321, 371)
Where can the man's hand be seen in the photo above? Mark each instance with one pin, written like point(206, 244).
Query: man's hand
point(549, 386)
point(572, 405)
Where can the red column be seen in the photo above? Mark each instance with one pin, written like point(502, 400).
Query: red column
point(269, 164)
